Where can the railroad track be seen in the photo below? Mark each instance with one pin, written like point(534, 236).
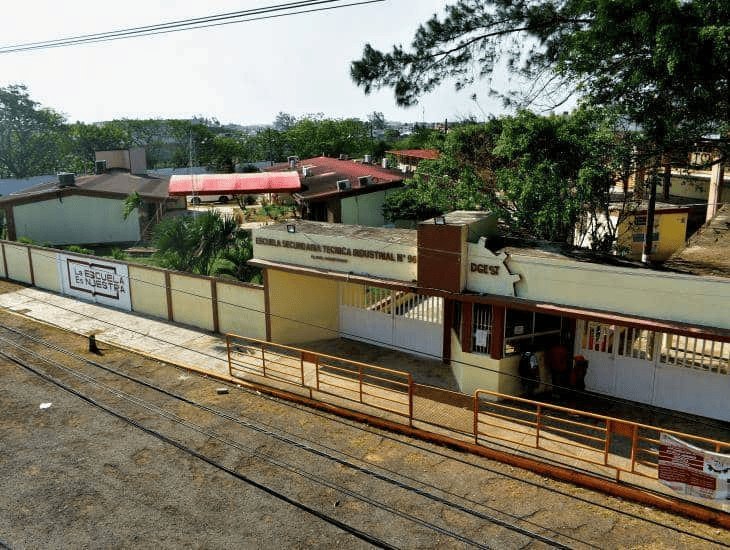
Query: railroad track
point(135, 400)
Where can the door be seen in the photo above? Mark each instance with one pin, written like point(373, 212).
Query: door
point(408, 322)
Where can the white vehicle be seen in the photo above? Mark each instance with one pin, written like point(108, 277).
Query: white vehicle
point(199, 199)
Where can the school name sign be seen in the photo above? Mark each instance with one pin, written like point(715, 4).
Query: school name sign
point(391, 261)
point(95, 280)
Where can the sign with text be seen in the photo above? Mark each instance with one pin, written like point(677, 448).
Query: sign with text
point(693, 471)
point(338, 253)
point(96, 280)
point(487, 272)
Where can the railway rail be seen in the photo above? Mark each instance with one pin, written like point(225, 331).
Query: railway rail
point(96, 392)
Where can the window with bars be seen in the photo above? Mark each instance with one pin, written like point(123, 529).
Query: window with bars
point(695, 353)
point(527, 329)
point(481, 328)
point(666, 348)
point(636, 343)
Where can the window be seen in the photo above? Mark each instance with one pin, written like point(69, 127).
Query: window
point(481, 328)
point(639, 237)
point(526, 329)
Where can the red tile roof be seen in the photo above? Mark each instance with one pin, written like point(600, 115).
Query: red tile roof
point(425, 154)
point(325, 172)
point(234, 184)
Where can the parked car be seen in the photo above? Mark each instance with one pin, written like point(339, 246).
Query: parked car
point(199, 199)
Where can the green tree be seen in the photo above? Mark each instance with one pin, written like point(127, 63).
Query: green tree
point(660, 63)
point(543, 175)
point(664, 61)
point(556, 170)
point(377, 120)
point(32, 137)
point(132, 202)
point(205, 244)
point(233, 261)
point(85, 139)
point(284, 121)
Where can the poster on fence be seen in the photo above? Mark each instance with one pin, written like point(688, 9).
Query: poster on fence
point(96, 280)
point(693, 471)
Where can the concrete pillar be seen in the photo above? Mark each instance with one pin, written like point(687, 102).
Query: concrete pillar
point(714, 196)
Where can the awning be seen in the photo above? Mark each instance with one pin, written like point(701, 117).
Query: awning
point(235, 184)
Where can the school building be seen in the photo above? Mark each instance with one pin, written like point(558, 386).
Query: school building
point(455, 289)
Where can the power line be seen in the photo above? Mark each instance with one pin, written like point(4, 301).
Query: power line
point(187, 24)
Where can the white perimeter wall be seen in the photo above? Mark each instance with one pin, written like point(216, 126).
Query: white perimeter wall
point(641, 292)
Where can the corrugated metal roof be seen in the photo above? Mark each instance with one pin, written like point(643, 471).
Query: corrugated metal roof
point(113, 182)
point(234, 184)
point(325, 172)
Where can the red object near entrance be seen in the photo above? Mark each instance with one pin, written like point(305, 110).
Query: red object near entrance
point(234, 184)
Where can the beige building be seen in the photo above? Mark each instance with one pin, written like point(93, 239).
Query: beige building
point(456, 290)
point(87, 209)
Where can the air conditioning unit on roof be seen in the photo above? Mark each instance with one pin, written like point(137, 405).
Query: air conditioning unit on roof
point(343, 185)
point(365, 180)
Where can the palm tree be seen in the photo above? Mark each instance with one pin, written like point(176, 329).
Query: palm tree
point(208, 244)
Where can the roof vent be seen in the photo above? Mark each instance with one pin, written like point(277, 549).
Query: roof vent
point(343, 156)
point(365, 180)
point(367, 159)
point(343, 185)
point(306, 171)
point(99, 167)
point(384, 162)
point(66, 179)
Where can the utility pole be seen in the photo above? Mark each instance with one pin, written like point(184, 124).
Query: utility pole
point(649, 229)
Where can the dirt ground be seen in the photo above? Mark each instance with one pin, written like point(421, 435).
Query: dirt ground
point(74, 476)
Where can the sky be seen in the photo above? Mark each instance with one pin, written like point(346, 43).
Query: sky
point(243, 73)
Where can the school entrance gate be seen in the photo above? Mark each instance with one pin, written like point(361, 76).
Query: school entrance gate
point(662, 369)
point(404, 321)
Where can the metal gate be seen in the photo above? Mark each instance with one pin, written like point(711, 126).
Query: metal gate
point(662, 369)
point(400, 320)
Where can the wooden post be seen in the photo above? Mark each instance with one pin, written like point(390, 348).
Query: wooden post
point(466, 322)
point(214, 303)
point(496, 344)
point(30, 266)
point(5, 261)
point(448, 317)
point(168, 292)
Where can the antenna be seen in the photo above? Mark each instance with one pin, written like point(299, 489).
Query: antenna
point(190, 167)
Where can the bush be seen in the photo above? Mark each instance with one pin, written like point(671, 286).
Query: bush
point(80, 250)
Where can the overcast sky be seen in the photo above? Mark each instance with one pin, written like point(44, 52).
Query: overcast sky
point(243, 73)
